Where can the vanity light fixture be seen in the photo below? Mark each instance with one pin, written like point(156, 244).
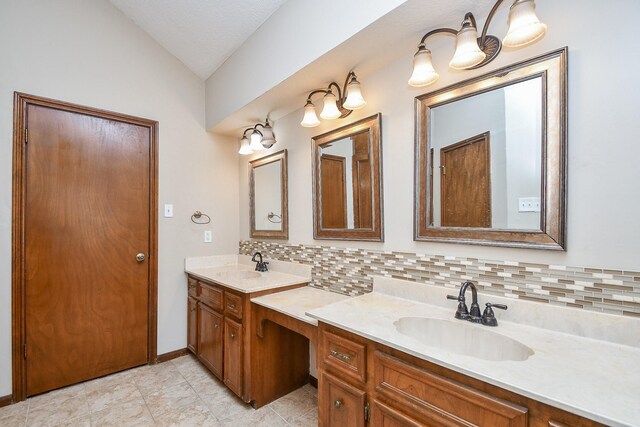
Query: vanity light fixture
point(473, 51)
point(258, 140)
point(335, 106)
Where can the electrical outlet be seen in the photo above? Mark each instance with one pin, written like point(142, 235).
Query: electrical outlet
point(168, 211)
point(208, 236)
point(529, 204)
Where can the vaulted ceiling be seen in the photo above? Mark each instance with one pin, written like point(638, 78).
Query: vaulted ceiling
point(200, 33)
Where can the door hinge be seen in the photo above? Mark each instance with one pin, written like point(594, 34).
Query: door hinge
point(26, 136)
point(367, 412)
point(443, 168)
point(25, 350)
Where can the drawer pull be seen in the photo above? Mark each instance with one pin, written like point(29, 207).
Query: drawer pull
point(338, 404)
point(339, 355)
point(231, 305)
point(215, 326)
point(233, 335)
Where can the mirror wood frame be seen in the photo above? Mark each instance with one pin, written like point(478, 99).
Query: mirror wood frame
point(280, 156)
point(552, 68)
point(376, 232)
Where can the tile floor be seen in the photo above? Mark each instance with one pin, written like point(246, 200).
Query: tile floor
point(176, 393)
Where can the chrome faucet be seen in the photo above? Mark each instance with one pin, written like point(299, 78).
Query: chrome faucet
point(473, 315)
point(260, 265)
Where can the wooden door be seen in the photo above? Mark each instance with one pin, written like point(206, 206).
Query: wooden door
point(334, 191)
point(233, 355)
point(192, 325)
point(361, 172)
point(210, 339)
point(465, 181)
point(340, 404)
point(87, 211)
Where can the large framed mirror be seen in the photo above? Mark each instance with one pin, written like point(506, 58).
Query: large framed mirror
point(347, 182)
point(268, 196)
point(490, 159)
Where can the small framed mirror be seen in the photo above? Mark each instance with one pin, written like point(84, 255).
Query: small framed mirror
point(268, 197)
point(347, 182)
point(491, 158)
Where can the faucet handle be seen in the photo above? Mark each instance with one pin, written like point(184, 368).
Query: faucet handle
point(462, 312)
point(488, 317)
point(453, 297)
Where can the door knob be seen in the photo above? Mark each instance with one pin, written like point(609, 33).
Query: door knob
point(140, 257)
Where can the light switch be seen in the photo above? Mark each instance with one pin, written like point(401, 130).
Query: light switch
point(529, 204)
point(208, 236)
point(168, 211)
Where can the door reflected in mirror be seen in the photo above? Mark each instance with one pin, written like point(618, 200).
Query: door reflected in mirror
point(268, 196)
point(347, 202)
point(486, 154)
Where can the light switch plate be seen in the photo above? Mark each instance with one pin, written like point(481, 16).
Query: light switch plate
point(529, 204)
point(208, 236)
point(168, 211)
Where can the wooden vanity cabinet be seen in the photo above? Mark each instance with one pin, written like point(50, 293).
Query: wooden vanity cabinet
point(363, 383)
point(233, 355)
point(210, 339)
point(192, 325)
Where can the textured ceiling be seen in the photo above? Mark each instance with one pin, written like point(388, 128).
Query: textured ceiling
point(200, 33)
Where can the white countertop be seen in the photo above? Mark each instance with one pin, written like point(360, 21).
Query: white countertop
point(296, 302)
point(216, 269)
point(593, 378)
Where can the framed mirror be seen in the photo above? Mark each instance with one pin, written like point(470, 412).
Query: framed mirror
point(490, 158)
point(347, 182)
point(268, 196)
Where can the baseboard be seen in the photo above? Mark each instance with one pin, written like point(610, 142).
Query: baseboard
point(313, 381)
point(172, 355)
point(6, 400)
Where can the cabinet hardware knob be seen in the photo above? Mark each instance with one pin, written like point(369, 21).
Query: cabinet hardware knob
point(140, 257)
point(215, 326)
point(338, 403)
point(233, 335)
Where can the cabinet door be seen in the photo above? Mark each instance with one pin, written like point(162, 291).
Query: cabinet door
point(340, 404)
point(385, 416)
point(192, 325)
point(233, 355)
point(210, 339)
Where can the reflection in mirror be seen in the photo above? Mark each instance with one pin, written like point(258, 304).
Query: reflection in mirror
point(487, 158)
point(347, 182)
point(268, 196)
point(491, 158)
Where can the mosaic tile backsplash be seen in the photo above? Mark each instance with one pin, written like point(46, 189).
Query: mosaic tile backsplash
point(349, 271)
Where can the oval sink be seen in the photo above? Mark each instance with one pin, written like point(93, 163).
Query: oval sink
point(460, 337)
point(237, 275)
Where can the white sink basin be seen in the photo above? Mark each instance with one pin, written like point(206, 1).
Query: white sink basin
point(461, 337)
point(237, 275)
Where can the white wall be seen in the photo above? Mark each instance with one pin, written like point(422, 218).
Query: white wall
point(87, 52)
point(604, 197)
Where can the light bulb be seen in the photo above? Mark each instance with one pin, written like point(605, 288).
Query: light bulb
point(244, 146)
point(354, 99)
point(423, 72)
point(330, 110)
point(268, 137)
point(310, 119)
point(256, 139)
point(468, 53)
point(524, 25)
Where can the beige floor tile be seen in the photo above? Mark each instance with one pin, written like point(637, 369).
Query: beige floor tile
point(294, 404)
point(309, 419)
point(76, 422)
point(158, 377)
point(17, 420)
point(113, 395)
point(110, 381)
point(14, 410)
point(196, 414)
point(227, 404)
point(57, 396)
point(188, 360)
point(58, 411)
point(209, 388)
point(263, 417)
point(194, 372)
point(125, 414)
point(171, 398)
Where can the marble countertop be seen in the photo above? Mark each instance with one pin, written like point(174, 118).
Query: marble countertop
point(590, 377)
point(296, 302)
point(221, 269)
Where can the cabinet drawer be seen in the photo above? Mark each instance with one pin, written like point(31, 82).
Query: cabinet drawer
point(211, 296)
point(192, 285)
point(233, 304)
point(340, 404)
point(439, 400)
point(344, 355)
point(385, 416)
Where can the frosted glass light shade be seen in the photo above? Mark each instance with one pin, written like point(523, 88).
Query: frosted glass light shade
point(330, 110)
point(310, 119)
point(468, 53)
point(268, 137)
point(524, 25)
point(256, 139)
point(244, 146)
point(354, 99)
point(423, 72)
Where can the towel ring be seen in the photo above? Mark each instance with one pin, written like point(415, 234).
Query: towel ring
point(195, 218)
point(271, 216)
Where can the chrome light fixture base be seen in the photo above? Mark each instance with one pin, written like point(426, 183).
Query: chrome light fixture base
point(491, 47)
